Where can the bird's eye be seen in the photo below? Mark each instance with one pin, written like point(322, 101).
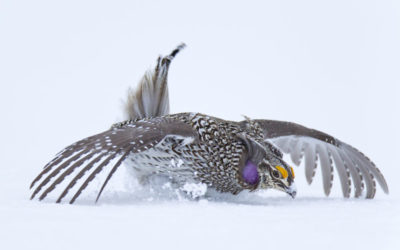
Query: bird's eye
point(275, 173)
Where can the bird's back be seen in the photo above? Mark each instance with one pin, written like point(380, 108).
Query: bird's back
point(214, 158)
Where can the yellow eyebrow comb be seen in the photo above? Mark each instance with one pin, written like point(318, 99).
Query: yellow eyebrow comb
point(283, 171)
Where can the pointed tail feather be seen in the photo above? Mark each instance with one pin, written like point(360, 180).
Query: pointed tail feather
point(151, 99)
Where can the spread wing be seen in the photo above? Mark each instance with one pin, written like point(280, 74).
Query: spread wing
point(93, 154)
point(88, 157)
point(350, 163)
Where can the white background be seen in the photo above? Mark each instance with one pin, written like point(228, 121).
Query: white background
point(65, 67)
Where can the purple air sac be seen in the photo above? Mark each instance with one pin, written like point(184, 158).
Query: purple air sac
point(250, 173)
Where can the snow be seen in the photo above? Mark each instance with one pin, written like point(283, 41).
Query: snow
point(65, 67)
point(148, 221)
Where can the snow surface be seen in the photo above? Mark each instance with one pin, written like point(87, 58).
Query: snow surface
point(65, 67)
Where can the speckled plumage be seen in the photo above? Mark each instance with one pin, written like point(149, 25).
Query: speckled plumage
point(197, 148)
point(213, 160)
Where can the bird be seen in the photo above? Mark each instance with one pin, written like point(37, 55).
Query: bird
point(226, 156)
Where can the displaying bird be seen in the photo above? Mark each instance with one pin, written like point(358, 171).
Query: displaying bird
point(227, 156)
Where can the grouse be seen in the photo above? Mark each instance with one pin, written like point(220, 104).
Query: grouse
point(227, 156)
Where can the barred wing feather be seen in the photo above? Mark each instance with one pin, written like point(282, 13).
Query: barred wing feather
point(351, 165)
point(96, 152)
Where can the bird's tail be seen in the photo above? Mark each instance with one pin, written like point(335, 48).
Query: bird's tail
point(150, 98)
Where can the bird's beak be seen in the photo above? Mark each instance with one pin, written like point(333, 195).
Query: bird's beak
point(291, 190)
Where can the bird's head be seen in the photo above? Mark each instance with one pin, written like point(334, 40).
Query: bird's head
point(263, 167)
